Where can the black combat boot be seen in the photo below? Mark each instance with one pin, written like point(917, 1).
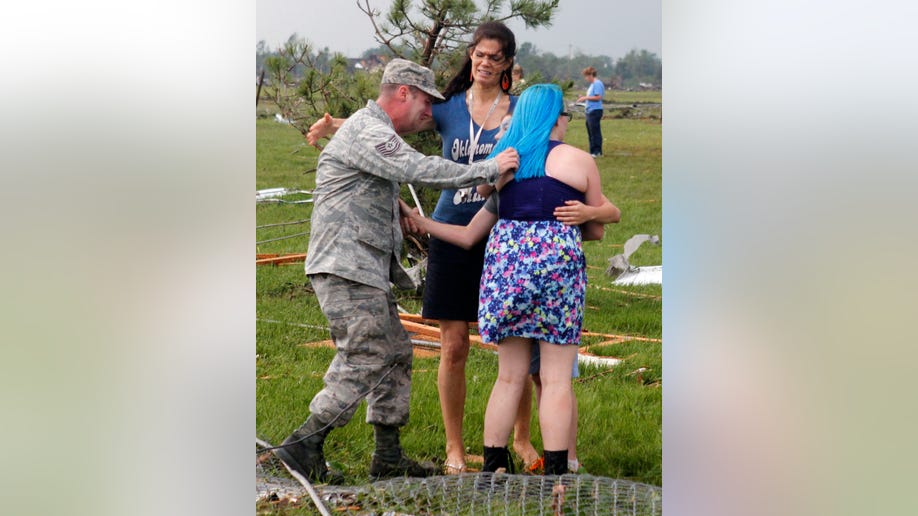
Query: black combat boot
point(302, 452)
point(389, 460)
point(555, 462)
point(495, 458)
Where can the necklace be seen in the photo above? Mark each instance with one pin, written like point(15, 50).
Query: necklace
point(473, 137)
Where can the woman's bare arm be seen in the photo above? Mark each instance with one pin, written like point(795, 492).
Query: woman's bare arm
point(574, 213)
point(462, 236)
point(598, 210)
point(327, 125)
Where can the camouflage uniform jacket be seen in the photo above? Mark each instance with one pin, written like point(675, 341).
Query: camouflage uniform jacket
point(355, 232)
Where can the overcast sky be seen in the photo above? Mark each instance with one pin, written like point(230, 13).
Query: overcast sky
point(593, 27)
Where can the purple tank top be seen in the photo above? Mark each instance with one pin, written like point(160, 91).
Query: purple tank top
point(536, 198)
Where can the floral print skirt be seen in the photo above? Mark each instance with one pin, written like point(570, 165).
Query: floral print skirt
point(533, 282)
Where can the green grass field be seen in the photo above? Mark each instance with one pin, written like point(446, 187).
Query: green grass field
point(620, 409)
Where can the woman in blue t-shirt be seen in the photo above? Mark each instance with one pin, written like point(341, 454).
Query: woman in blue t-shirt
point(477, 99)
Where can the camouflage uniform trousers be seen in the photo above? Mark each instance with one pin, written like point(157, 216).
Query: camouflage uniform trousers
point(370, 340)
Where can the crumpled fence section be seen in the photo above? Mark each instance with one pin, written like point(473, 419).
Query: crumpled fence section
point(468, 493)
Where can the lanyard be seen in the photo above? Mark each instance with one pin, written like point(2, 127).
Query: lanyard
point(473, 137)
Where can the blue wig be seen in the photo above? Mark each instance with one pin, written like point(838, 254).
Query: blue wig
point(535, 115)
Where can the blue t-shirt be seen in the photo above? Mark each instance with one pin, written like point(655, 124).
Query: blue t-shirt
point(597, 88)
point(458, 206)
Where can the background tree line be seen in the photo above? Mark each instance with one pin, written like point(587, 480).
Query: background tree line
point(627, 72)
point(305, 82)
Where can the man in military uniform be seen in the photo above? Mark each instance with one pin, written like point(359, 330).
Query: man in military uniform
point(353, 256)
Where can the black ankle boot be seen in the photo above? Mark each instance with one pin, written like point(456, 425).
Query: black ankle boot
point(497, 457)
point(302, 452)
point(555, 462)
point(389, 460)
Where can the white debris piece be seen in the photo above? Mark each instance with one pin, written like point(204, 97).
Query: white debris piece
point(641, 276)
point(276, 194)
point(269, 193)
point(598, 361)
point(626, 274)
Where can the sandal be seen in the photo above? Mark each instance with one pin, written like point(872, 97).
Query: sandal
point(527, 453)
point(454, 469)
point(536, 467)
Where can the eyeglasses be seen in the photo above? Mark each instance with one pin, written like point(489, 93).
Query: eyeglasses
point(570, 116)
point(494, 58)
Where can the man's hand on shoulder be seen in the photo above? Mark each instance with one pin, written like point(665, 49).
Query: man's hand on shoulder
point(508, 160)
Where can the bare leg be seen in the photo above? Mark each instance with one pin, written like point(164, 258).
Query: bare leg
point(556, 401)
point(522, 438)
point(512, 375)
point(572, 443)
point(454, 351)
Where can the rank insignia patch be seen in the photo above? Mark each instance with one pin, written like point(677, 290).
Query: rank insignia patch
point(390, 147)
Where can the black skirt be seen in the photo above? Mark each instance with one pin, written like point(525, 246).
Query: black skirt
point(453, 277)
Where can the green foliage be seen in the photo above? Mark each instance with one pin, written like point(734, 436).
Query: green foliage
point(275, 65)
point(629, 71)
point(305, 83)
point(434, 28)
point(429, 143)
point(639, 67)
point(560, 68)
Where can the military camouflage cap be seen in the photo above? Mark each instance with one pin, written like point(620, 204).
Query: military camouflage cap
point(402, 71)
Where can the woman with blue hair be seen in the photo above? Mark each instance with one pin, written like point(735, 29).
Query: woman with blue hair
point(534, 279)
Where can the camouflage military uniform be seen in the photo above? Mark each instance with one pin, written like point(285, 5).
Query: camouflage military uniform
point(370, 340)
point(353, 253)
